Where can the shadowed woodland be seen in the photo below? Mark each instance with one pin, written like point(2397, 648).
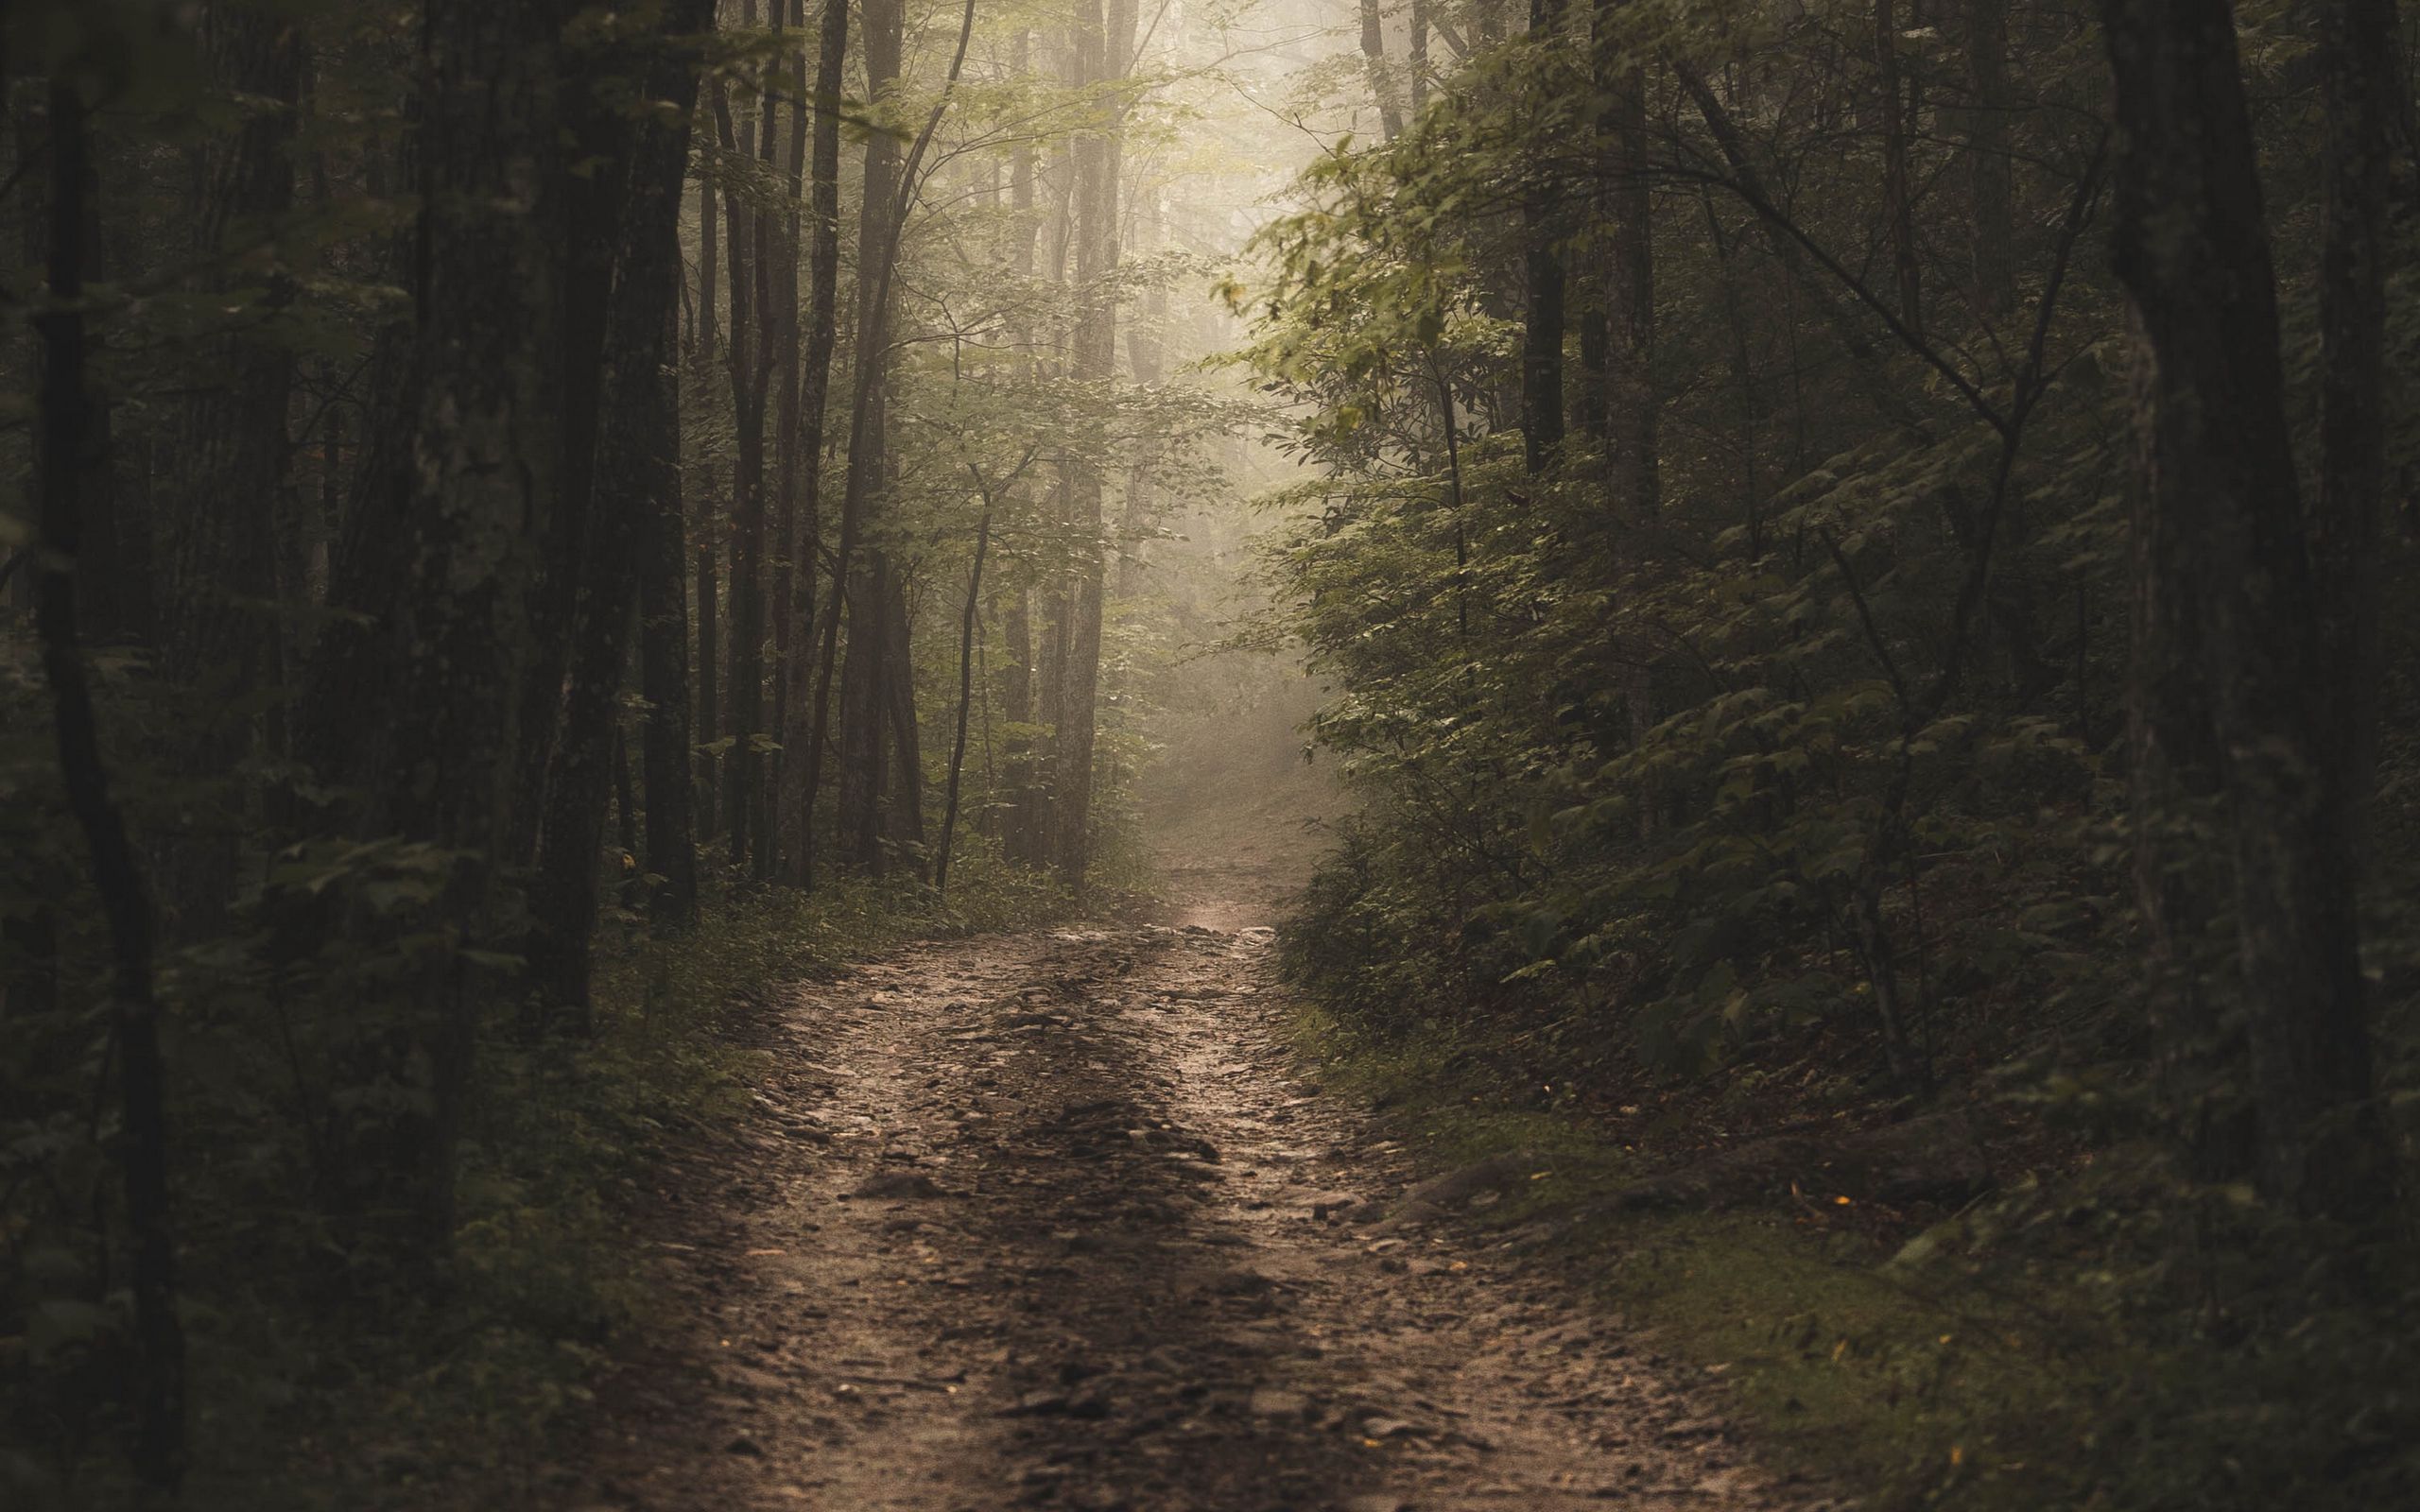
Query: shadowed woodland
point(1796, 616)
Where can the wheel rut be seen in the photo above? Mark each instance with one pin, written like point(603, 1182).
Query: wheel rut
point(1051, 1221)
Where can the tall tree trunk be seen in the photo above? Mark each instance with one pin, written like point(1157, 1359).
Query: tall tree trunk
point(965, 698)
point(480, 431)
point(889, 185)
point(793, 584)
point(626, 819)
point(2216, 456)
point(1898, 190)
point(1543, 326)
point(1416, 55)
point(709, 272)
point(1020, 823)
point(864, 714)
point(2357, 85)
point(1104, 46)
point(1991, 226)
point(590, 209)
point(664, 670)
point(1382, 83)
point(1632, 425)
point(215, 637)
point(803, 732)
point(70, 460)
point(709, 667)
point(904, 815)
point(636, 467)
point(745, 242)
point(1016, 707)
point(862, 702)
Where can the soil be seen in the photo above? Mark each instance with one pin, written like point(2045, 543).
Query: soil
point(1055, 1220)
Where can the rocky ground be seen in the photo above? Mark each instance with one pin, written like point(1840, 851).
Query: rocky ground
point(1054, 1221)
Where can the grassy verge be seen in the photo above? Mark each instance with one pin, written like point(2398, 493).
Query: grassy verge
point(421, 1404)
point(1902, 1385)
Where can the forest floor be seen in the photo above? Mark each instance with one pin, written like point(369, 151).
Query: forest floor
point(1055, 1220)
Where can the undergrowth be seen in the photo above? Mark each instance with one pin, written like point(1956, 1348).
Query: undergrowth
point(392, 1398)
point(2022, 1355)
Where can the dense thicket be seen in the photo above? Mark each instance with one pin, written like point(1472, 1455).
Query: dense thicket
point(1861, 550)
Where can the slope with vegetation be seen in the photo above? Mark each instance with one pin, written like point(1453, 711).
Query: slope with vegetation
point(1859, 550)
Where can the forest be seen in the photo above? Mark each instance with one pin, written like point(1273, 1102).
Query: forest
point(1224, 754)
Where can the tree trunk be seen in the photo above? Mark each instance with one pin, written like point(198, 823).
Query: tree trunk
point(965, 699)
point(1102, 46)
point(793, 586)
point(1898, 191)
point(664, 674)
point(216, 638)
point(2358, 85)
point(861, 701)
point(1543, 326)
point(1382, 84)
point(745, 245)
point(2217, 460)
point(70, 460)
point(1020, 827)
point(1016, 707)
point(904, 815)
point(709, 789)
point(803, 732)
point(863, 715)
point(1632, 425)
point(636, 466)
point(1992, 225)
point(482, 434)
point(587, 226)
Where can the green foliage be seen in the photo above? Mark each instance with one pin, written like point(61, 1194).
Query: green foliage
point(318, 1369)
point(1806, 790)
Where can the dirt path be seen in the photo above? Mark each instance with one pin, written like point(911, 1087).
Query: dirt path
point(1047, 1221)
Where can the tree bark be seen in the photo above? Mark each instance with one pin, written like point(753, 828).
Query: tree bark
point(889, 185)
point(747, 245)
point(664, 676)
point(1898, 190)
point(585, 232)
point(2216, 459)
point(2357, 85)
point(965, 699)
point(1103, 44)
point(480, 432)
point(1382, 84)
point(636, 467)
point(862, 701)
point(70, 460)
point(803, 732)
point(215, 637)
point(1990, 225)
point(709, 667)
point(793, 585)
point(1020, 824)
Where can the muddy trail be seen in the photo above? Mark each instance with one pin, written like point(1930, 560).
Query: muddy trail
point(1054, 1221)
